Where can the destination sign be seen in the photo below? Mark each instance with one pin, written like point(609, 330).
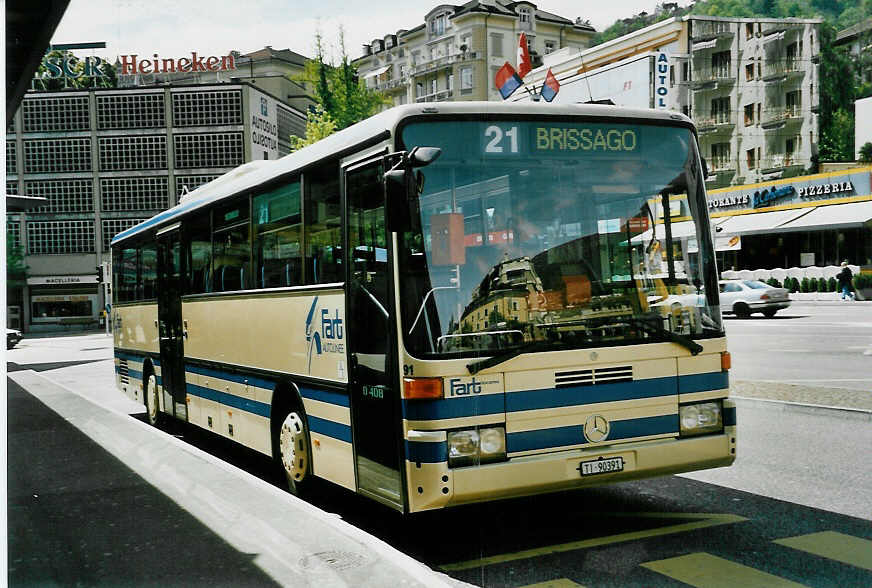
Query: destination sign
point(547, 139)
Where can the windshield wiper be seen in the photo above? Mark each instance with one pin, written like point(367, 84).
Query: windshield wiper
point(530, 347)
point(656, 329)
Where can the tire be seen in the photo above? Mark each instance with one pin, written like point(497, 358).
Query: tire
point(152, 406)
point(294, 452)
point(769, 313)
point(741, 310)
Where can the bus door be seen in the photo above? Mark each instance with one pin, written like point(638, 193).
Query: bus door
point(375, 399)
point(169, 314)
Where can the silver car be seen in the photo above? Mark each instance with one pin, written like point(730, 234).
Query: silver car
point(745, 297)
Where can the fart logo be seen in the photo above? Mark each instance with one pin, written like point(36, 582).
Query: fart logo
point(324, 334)
point(460, 388)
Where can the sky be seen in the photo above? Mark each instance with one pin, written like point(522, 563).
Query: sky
point(174, 28)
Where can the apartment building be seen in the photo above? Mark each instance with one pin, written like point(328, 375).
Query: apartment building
point(750, 84)
point(455, 53)
point(106, 160)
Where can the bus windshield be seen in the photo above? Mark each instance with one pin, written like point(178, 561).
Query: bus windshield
point(555, 234)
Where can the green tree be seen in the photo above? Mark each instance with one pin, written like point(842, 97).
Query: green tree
point(866, 152)
point(837, 139)
point(339, 92)
point(319, 124)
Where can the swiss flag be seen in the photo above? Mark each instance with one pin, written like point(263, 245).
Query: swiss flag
point(524, 63)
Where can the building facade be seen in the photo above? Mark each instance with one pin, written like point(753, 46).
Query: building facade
point(109, 159)
point(750, 84)
point(455, 54)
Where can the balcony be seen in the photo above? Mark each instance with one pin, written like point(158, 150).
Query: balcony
point(716, 122)
point(721, 165)
point(779, 117)
point(711, 77)
point(440, 96)
point(391, 85)
point(780, 162)
point(443, 62)
point(780, 71)
point(706, 29)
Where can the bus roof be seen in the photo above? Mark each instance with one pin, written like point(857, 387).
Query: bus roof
point(250, 175)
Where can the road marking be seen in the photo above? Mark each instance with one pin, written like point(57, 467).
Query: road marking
point(704, 520)
point(709, 571)
point(561, 583)
point(832, 545)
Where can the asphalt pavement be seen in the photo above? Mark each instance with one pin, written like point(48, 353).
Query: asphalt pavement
point(96, 497)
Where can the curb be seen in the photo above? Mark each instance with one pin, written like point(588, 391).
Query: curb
point(859, 414)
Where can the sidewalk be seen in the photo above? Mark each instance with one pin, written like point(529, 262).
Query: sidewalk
point(98, 497)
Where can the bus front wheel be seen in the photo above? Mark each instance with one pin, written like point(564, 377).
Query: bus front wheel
point(152, 408)
point(294, 452)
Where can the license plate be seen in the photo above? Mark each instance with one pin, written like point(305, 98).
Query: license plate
point(601, 466)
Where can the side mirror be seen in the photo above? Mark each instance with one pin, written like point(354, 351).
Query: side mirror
point(402, 185)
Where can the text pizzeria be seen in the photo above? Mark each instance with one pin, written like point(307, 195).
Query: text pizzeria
point(157, 65)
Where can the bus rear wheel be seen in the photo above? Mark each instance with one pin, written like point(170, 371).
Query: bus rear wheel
point(293, 445)
point(150, 394)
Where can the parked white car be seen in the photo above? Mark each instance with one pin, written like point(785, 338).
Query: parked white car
point(745, 297)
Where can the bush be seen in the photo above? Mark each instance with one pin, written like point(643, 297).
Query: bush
point(832, 285)
point(822, 285)
point(774, 283)
point(803, 286)
point(862, 281)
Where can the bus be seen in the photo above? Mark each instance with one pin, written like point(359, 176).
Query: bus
point(443, 304)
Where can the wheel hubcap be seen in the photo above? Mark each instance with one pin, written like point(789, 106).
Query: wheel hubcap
point(292, 441)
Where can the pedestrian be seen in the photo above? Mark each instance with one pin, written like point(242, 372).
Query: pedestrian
point(845, 278)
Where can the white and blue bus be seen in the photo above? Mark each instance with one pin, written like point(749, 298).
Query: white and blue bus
point(443, 304)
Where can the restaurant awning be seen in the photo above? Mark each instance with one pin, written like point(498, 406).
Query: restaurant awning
point(850, 215)
point(761, 222)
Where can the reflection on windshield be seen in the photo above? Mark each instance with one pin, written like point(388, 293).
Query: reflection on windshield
point(570, 249)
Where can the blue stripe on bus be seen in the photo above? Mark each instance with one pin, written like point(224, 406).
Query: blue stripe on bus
point(246, 404)
point(703, 382)
point(329, 428)
point(729, 416)
point(418, 410)
point(581, 395)
point(328, 396)
point(132, 374)
point(573, 435)
point(426, 452)
point(230, 377)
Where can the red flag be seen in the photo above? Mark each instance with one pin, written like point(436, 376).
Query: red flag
point(507, 80)
point(550, 87)
point(524, 63)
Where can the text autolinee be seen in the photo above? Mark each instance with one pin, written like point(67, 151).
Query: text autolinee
point(585, 139)
point(131, 65)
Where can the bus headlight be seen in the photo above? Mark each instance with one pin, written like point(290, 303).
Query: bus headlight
point(475, 446)
point(701, 418)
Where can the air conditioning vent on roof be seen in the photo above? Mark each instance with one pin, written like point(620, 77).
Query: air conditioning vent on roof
point(592, 377)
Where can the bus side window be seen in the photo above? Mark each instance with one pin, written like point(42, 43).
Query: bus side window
point(148, 271)
point(199, 252)
point(278, 232)
point(323, 225)
point(231, 248)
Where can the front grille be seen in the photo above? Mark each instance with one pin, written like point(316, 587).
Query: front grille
point(124, 371)
point(592, 377)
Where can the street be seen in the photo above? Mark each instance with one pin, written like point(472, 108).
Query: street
point(793, 509)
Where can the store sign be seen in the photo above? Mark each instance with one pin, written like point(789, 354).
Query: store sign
point(61, 280)
point(795, 192)
point(264, 136)
point(130, 64)
point(67, 66)
point(661, 80)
